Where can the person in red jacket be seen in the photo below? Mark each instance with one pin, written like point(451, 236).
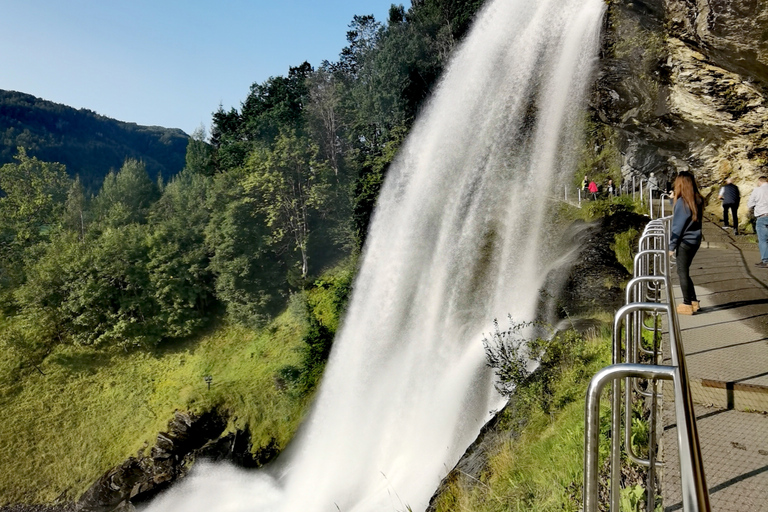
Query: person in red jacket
point(593, 189)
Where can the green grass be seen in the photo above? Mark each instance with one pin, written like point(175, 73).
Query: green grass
point(624, 247)
point(540, 467)
point(92, 410)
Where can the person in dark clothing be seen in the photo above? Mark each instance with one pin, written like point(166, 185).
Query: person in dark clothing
point(731, 197)
point(685, 238)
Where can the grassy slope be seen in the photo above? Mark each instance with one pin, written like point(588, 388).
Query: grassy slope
point(540, 468)
point(92, 410)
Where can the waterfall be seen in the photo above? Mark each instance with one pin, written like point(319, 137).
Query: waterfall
point(459, 237)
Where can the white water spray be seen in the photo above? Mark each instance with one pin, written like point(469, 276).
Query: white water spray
point(456, 240)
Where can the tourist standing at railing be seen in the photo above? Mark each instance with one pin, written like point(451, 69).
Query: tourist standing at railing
point(758, 201)
point(731, 197)
point(685, 238)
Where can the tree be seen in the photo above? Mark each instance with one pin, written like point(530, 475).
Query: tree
point(75, 213)
point(110, 299)
point(323, 111)
point(248, 273)
point(50, 270)
point(178, 259)
point(31, 202)
point(274, 105)
point(199, 157)
point(289, 184)
point(34, 196)
point(125, 196)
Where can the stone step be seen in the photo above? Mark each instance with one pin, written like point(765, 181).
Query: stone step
point(730, 395)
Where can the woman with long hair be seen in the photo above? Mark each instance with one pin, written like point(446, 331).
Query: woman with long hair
point(686, 236)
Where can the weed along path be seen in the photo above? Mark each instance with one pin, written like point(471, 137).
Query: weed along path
point(726, 347)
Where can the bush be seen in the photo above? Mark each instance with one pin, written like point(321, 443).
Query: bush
point(611, 206)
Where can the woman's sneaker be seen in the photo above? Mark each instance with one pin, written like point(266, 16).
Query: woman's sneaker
point(685, 309)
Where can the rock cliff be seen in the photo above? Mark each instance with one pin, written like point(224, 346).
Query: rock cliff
point(683, 84)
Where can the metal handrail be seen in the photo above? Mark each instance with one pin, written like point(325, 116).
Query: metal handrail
point(651, 270)
point(613, 374)
point(663, 203)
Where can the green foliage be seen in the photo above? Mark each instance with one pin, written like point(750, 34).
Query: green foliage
point(42, 298)
point(247, 272)
point(91, 410)
point(631, 498)
point(538, 466)
point(609, 206)
point(199, 157)
point(289, 184)
point(624, 247)
point(640, 434)
point(125, 197)
point(275, 105)
point(110, 298)
point(75, 217)
point(321, 306)
point(106, 403)
point(600, 158)
point(178, 259)
point(594, 210)
point(328, 296)
point(370, 181)
point(34, 194)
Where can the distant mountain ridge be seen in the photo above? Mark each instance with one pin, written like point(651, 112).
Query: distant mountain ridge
point(89, 144)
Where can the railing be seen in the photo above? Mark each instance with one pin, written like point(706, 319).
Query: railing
point(662, 203)
point(649, 295)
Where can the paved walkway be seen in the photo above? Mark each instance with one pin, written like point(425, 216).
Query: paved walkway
point(726, 347)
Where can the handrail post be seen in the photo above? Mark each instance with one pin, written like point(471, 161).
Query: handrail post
point(613, 373)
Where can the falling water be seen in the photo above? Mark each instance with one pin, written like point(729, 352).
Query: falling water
point(457, 239)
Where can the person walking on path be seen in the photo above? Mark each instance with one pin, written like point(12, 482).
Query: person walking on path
point(758, 200)
point(685, 238)
point(731, 197)
point(593, 190)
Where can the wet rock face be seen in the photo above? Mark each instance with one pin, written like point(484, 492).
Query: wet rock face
point(732, 31)
point(188, 437)
point(141, 477)
point(596, 281)
point(684, 84)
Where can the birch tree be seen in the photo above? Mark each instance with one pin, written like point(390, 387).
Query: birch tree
point(290, 185)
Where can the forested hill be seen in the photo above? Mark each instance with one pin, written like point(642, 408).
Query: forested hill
point(88, 144)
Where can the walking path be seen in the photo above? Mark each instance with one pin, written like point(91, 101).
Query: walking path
point(726, 347)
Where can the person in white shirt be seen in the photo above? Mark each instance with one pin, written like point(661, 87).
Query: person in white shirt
point(759, 201)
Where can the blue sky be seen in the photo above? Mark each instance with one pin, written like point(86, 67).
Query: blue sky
point(165, 62)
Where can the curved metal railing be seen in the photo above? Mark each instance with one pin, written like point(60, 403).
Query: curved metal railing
point(648, 296)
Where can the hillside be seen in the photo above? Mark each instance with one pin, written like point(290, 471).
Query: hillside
point(87, 143)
